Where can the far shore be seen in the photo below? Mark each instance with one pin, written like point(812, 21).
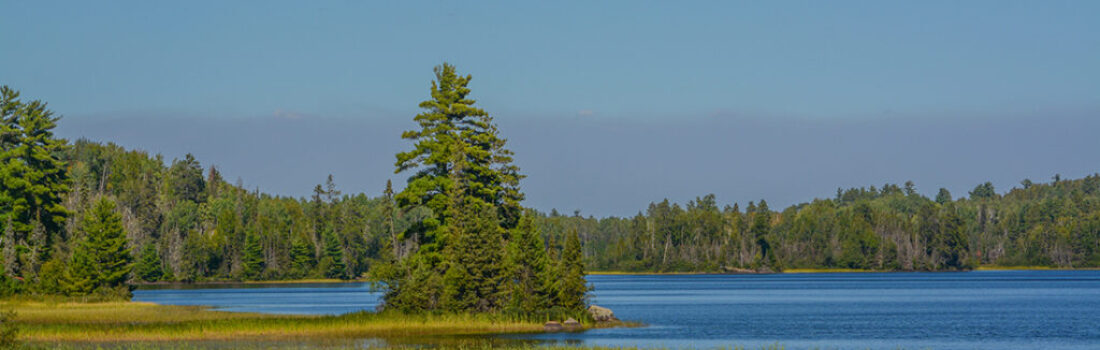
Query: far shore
point(643, 273)
point(838, 270)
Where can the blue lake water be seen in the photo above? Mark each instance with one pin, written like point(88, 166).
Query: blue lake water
point(971, 310)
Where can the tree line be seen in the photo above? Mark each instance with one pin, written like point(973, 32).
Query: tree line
point(87, 218)
point(892, 228)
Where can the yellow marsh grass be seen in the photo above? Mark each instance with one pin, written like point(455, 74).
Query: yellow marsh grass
point(130, 321)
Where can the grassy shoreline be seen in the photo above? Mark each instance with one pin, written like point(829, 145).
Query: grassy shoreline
point(105, 322)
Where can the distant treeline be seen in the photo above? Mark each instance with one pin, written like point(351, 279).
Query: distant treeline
point(1054, 224)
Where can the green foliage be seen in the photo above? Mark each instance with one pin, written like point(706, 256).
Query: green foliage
point(185, 180)
point(572, 287)
point(332, 263)
point(452, 130)
point(475, 272)
point(529, 276)
point(149, 265)
point(983, 191)
point(943, 197)
point(33, 181)
point(253, 256)
point(463, 175)
point(51, 279)
point(761, 227)
point(301, 255)
point(888, 228)
point(951, 244)
point(101, 262)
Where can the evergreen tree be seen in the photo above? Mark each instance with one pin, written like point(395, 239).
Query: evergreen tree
point(983, 191)
point(943, 197)
point(573, 289)
point(33, 178)
point(149, 264)
point(953, 246)
point(253, 257)
point(464, 176)
point(185, 181)
point(452, 126)
point(332, 263)
point(761, 226)
point(479, 252)
point(301, 257)
point(101, 262)
point(528, 267)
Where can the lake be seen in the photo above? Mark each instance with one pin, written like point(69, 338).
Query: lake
point(966, 310)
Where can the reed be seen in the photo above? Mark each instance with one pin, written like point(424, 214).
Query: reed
point(69, 322)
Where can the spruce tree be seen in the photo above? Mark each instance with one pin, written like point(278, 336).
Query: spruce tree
point(149, 264)
point(301, 257)
point(101, 262)
point(332, 263)
point(483, 258)
point(529, 283)
point(573, 289)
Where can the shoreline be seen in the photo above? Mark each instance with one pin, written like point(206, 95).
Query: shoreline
point(837, 270)
point(141, 285)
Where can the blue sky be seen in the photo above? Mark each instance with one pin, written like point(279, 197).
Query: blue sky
point(609, 105)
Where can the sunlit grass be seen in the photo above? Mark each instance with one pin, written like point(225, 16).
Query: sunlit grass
point(139, 322)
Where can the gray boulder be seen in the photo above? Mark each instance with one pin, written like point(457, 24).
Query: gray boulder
point(571, 324)
point(601, 314)
point(552, 326)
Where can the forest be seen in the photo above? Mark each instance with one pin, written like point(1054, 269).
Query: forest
point(67, 206)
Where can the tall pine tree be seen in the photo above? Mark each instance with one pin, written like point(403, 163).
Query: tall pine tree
point(464, 175)
point(33, 178)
